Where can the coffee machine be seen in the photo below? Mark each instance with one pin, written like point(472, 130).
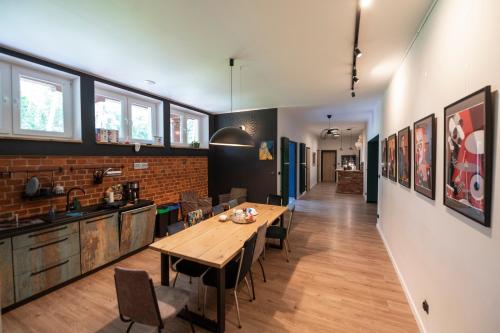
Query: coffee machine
point(131, 191)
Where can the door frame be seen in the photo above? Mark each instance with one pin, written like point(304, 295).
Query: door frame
point(372, 169)
point(334, 174)
point(295, 191)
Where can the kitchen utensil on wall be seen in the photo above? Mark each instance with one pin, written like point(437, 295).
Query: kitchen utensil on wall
point(98, 176)
point(32, 187)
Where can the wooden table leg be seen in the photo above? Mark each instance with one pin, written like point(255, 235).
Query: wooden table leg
point(221, 301)
point(281, 225)
point(165, 269)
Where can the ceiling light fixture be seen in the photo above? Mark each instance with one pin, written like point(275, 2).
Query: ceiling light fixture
point(330, 132)
point(356, 52)
point(366, 3)
point(232, 136)
point(150, 82)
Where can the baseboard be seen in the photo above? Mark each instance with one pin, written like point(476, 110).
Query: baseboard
point(413, 305)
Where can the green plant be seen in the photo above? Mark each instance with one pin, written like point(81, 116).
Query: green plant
point(195, 144)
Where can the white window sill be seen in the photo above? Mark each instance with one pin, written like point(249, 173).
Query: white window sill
point(130, 144)
point(39, 138)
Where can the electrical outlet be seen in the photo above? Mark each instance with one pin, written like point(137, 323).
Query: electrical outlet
point(425, 306)
point(141, 166)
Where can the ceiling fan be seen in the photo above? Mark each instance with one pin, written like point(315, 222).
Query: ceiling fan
point(330, 132)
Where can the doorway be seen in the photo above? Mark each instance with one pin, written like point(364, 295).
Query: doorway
point(292, 175)
point(302, 168)
point(308, 169)
point(372, 171)
point(328, 163)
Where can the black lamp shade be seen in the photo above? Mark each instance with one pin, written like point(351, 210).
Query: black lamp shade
point(232, 136)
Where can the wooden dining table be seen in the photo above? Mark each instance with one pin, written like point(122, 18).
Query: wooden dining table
point(213, 243)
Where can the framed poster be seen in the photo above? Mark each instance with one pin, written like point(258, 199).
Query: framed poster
point(392, 147)
point(404, 157)
point(384, 158)
point(468, 156)
point(424, 156)
point(266, 150)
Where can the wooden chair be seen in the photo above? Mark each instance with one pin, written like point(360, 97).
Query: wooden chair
point(260, 246)
point(236, 271)
point(190, 201)
point(140, 302)
point(281, 233)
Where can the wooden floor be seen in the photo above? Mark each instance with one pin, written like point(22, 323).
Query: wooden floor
point(339, 279)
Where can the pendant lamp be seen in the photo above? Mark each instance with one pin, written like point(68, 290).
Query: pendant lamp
point(231, 136)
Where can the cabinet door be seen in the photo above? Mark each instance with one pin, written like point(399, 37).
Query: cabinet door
point(137, 229)
point(6, 272)
point(98, 241)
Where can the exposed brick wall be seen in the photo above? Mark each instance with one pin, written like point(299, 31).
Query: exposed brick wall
point(163, 181)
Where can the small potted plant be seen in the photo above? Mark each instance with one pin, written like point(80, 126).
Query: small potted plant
point(195, 144)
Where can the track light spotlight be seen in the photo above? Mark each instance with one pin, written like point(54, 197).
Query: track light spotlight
point(357, 52)
point(354, 72)
point(353, 94)
point(355, 79)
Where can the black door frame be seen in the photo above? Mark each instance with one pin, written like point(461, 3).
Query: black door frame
point(372, 175)
point(335, 166)
point(296, 167)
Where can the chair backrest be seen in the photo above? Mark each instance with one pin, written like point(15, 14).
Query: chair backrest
point(232, 203)
point(194, 217)
point(238, 193)
point(291, 209)
point(218, 209)
point(136, 296)
point(260, 242)
point(189, 196)
point(175, 228)
point(274, 199)
point(246, 258)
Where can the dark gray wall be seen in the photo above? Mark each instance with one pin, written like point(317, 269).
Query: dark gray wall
point(240, 167)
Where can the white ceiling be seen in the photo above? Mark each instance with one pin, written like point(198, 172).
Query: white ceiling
point(289, 52)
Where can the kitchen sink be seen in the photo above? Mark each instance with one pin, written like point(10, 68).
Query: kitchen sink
point(84, 212)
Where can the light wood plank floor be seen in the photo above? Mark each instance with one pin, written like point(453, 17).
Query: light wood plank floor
point(339, 279)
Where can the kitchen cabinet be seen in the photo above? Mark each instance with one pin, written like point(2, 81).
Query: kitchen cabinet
point(99, 241)
point(6, 273)
point(44, 259)
point(137, 228)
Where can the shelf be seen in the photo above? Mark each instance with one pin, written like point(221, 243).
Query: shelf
point(130, 144)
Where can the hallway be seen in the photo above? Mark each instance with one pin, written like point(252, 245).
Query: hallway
point(339, 279)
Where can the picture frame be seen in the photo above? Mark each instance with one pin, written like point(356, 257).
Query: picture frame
point(424, 156)
point(404, 157)
point(468, 156)
point(392, 160)
point(384, 158)
point(266, 150)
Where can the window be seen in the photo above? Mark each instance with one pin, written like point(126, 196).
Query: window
point(187, 126)
point(38, 102)
point(137, 118)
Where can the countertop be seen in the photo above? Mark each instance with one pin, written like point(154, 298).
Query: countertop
point(68, 219)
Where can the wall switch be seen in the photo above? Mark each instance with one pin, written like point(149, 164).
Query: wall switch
point(141, 166)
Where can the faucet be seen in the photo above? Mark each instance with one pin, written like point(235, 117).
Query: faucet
point(72, 205)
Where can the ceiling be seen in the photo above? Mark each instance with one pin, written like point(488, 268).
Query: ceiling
point(289, 53)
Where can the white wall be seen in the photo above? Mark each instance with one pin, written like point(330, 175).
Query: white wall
point(294, 129)
point(443, 257)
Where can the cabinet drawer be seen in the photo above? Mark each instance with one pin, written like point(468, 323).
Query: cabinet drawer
point(38, 256)
point(31, 283)
point(6, 274)
point(99, 241)
point(44, 235)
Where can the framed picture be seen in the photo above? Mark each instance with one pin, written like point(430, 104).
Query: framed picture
point(392, 147)
point(384, 157)
point(404, 157)
point(314, 159)
point(468, 156)
point(266, 150)
point(424, 156)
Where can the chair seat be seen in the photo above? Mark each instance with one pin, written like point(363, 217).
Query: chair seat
point(190, 268)
point(210, 279)
point(171, 301)
point(276, 232)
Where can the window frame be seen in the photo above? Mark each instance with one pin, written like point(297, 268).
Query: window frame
point(5, 98)
point(202, 126)
point(65, 83)
point(128, 99)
